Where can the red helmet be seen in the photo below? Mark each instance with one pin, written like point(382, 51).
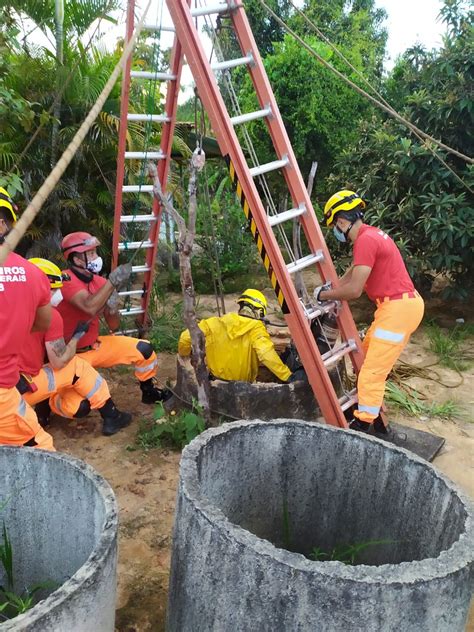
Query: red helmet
point(78, 242)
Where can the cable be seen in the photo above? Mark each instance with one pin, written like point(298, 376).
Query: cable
point(33, 208)
point(374, 90)
point(358, 89)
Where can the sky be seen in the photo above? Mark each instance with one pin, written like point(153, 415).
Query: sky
point(409, 22)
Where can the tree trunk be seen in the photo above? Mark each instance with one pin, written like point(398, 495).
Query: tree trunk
point(186, 236)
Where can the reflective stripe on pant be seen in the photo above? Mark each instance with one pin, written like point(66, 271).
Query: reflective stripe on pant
point(18, 422)
point(78, 380)
point(113, 350)
point(388, 335)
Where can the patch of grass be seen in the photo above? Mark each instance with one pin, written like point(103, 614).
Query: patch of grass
point(446, 344)
point(345, 553)
point(409, 402)
point(167, 325)
point(170, 430)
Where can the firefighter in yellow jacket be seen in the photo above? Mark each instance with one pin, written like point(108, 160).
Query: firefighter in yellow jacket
point(237, 343)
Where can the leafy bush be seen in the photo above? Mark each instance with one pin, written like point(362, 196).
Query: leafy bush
point(167, 324)
point(173, 430)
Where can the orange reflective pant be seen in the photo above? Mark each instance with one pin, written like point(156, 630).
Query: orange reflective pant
point(112, 350)
point(18, 422)
point(387, 336)
point(84, 383)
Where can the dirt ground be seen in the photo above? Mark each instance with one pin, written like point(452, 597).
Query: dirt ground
point(145, 482)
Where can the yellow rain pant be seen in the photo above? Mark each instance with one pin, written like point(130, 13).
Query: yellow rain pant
point(68, 387)
point(388, 335)
point(18, 422)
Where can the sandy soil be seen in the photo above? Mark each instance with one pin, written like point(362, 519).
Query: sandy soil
point(145, 482)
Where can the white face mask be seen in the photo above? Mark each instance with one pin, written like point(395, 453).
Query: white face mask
point(95, 266)
point(56, 298)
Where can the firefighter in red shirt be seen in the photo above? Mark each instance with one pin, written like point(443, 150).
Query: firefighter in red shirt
point(377, 268)
point(44, 385)
point(86, 296)
point(24, 306)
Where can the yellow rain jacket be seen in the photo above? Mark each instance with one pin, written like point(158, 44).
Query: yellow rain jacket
point(235, 346)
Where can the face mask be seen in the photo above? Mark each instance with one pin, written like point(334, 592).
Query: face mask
point(95, 266)
point(56, 298)
point(339, 235)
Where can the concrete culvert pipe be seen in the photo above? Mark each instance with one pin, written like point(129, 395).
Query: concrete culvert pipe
point(255, 499)
point(61, 518)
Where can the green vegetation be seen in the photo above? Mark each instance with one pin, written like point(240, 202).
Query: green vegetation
point(448, 345)
point(345, 553)
point(167, 324)
point(11, 603)
point(408, 400)
point(170, 430)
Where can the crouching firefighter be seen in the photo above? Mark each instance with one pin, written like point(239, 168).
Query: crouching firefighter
point(377, 268)
point(237, 343)
point(86, 296)
point(68, 385)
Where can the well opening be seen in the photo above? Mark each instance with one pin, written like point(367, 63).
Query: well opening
point(283, 486)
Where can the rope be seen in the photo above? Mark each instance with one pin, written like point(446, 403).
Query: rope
point(33, 208)
point(358, 89)
point(58, 96)
point(374, 90)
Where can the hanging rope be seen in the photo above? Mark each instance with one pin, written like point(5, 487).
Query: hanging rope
point(33, 208)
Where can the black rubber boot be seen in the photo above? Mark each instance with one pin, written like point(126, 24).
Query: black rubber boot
point(113, 419)
point(151, 394)
point(43, 411)
point(361, 426)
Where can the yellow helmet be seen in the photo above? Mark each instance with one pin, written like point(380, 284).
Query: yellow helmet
point(51, 270)
point(7, 202)
point(255, 299)
point(344, 200)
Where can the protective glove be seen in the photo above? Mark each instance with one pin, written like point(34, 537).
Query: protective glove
point(82, 328)
point(120, 275)
point(319, 289)
point(297, 376)
point(113, 302)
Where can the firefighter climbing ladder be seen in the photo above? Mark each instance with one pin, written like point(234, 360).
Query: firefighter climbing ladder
point(250, 187)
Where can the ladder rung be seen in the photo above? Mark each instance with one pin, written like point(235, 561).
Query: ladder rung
point(153, 118)
point(348, 399)
point(138, 269)
point(137, 218)
point(137, 188)
point(135, 245)
point(126, 332)
point(131, 312)
point(251, 116)
point(132, 293)
point(315, 312)
point(212, 8)
point(144, 155)
point(273, 220)
point(270, 166)
point(304, 262)
point(146, 74)
point(339, 351)
point(233, 63)
point(158, 27)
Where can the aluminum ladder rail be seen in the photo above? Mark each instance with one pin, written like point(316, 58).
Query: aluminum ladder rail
point(280, 274)
point(163, 158)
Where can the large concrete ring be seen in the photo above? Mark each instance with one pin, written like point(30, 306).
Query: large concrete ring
point(61, 517)
point(255, 498)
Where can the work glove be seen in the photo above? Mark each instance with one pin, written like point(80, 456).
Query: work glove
point(82, 328)
point(113, 302)
point(319, 289)
point(297, 376)
point(120, 275)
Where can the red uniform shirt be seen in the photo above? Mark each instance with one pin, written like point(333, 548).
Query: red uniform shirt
point(71, 314)
point(389, 276)
point(32, 356)
point(23, 288)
